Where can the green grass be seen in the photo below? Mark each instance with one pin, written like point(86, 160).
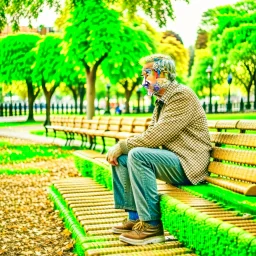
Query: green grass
point(10, 124)
point(22, 171)
point(31, 152)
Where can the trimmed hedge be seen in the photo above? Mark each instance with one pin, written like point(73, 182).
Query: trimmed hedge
point(244, 204)
point(206, 235)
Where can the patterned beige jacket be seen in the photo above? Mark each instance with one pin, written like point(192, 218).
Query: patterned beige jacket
point(180, 128)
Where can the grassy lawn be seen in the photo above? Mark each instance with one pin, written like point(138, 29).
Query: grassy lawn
point(16, 153)
point(10, 124)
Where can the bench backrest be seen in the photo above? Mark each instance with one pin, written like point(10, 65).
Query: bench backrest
point(103, 123)
point(71, 121)
point(234, 157)
point(241, 126)
point(127, 124)
point(87, 124)
point(114, 124)
point(79, 121)
point(140, 124)
point(56, 120)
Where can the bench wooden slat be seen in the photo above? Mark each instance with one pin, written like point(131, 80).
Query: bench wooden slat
point(233, 171)
point(226, 124)
point(237, 156)
point(246, 125)
point(211, 123)
point(237, 186)
point(237, 139)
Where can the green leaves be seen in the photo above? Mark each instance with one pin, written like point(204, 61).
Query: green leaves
point(49, 60)
point(16, 57)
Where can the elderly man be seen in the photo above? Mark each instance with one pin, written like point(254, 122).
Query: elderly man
point(175, 148)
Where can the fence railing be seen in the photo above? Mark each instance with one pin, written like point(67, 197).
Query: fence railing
point(21, 109)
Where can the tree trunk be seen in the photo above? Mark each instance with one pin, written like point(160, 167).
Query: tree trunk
point(48, 96)
point(91, 79)
point(48, 108)
point(248, 104)
point(90, 95)
point(128, 95)
point(81, 97)
point(75, 96)
point(31, 100)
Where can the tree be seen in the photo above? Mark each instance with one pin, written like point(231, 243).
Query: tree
point(233, 34)
point(74, 78)
point(173, 34)
point(202, 39)
point(125, 69)
point(159, 10)
point(47, 70)
point(198, 80)
point(96, 34)
point(16, 59)
point(191, 52)
point(171, 46)
point(239, 55)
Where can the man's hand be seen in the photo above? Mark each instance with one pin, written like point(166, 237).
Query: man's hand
point(113, 153)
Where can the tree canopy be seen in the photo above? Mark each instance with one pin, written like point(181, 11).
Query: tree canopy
point(48, 67)
point(17, 9)
point(16, 59)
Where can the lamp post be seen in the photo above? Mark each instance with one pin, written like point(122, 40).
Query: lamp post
point(209, 71)
point(229, 105)
point(108, 96)
point(138, 97)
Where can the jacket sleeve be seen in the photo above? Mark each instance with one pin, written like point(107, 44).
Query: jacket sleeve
point(175, 116)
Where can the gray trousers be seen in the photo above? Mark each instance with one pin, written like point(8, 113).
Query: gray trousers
point(134, 180)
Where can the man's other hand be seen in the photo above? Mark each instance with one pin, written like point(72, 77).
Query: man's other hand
point(113, 153)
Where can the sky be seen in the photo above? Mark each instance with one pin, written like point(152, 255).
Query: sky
point(186, 23)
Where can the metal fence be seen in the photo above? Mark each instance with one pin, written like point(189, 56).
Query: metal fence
point(21, 109)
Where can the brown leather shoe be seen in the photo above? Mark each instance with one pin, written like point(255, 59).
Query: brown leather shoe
point(144, 233)
point(126, 226)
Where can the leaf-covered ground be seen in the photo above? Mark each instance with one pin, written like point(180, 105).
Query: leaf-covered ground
point(28, 223)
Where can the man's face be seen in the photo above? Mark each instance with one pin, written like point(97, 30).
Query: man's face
point(149, 77)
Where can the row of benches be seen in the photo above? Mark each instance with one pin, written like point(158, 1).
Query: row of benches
point(103, 127)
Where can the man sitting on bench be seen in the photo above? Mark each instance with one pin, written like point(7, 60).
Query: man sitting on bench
point(175, 148)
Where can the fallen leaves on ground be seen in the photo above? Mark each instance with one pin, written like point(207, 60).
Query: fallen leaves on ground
point(28, 223)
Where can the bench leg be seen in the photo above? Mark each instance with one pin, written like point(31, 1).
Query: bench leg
point(71, 137)
point(94, 143)
point(82, 138)
point(54, 134)
point(67, 138)
point(104, 145)
point(91, 142)
point(46, 132)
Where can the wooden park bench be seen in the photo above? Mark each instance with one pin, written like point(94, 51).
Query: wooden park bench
point(196, 221)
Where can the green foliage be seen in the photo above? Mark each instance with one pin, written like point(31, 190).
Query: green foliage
point(199, 80)
point(17, 9)
point(21, 171)
point(205, 234)
point(232, 41)
point(16, 57)
point(49, 61)
point(240, 202)
point(28, 153)
point(123, 63)
point(171, 46)
point(91, 33)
